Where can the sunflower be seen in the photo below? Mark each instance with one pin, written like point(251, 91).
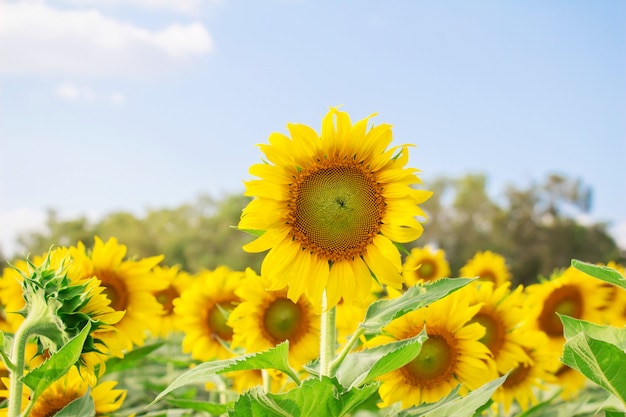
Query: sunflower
point(177, 281)
point(128, 284)
point(95, 306)
point(488, 266)
point(266, 318)
point(202, 309)
point(572, 293)
point(616, 308)
point(12, 296)
point(67, 389)
point(452, 354)
point(330, 208)
point(527, 376)
point(425, 265)
point(501, 314)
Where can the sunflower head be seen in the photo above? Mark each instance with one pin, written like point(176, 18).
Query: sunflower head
point(425, 265)
point(329, 208)
point(487, 266)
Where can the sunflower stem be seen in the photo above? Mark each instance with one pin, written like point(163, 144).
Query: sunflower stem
point(334, 365)
point(328, 337)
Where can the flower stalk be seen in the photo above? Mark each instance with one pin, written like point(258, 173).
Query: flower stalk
point(328, 338)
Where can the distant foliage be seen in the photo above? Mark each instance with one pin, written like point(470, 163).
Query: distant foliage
point(534, 228)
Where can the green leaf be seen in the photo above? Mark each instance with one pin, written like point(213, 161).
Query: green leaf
point(603, 273)
point(600, 361)
point(211, 408)
point(252, 232)
point(609, 413)
point(354, 397)
point(455, 405)
point(80, 407)
point(57, 365)
point(613, 335)
point(314, 398)
point(362, 367)
point(380, 313)
point(131, 359)
point(274, 358)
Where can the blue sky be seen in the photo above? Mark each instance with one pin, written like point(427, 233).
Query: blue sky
point(133, 104)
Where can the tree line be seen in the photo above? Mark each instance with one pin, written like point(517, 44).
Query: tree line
point(534, 227)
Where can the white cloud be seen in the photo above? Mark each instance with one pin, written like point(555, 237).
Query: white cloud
point(36, 38)
point(85, 94)
point(186, 7)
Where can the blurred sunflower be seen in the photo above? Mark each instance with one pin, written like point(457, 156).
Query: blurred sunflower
point(572, 293)
point(501, 314)
point(425, 265)
point(244, 380)
point(266, 318)
point(330, 207)
point(452, 355)
point(128, 284)
point(569, 380)
point(527, 376)
point(68, 388)
point(203, 308)
point(11, 296)
point(177, 281)
point(616, 300)
point(488, 266)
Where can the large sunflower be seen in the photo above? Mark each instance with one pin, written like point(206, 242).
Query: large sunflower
point(452, 354)
point(129, 285)
point(330, 207)
point(502, 315)
point(68, 388)
point(203, 308)
point(488, 266)
point(425, 265)
point(572, 293)
point(266, 318)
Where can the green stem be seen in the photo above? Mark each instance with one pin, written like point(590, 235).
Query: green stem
point(28, 328)
point(328, 337)
point(17, 358)
point(334, 365)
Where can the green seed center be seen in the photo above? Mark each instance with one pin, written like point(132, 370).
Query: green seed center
point(338, 211)
point(283, 320)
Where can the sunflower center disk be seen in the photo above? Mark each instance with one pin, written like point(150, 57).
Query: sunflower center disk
point(517, 376)
point(216, 319)
point(434, 363)
point(494, 332)
point(115, 290)
point(283, 320)
point(427, 270)
point(336, 211)
point(565, 300)
point(166, 299)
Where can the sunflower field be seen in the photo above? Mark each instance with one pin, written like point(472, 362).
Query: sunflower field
point(340, 320)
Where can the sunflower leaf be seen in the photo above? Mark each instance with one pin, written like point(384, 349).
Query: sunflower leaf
point(362, 367)
point(274, 358)
point(613, 335)
point(603, 273)
point(252, 232)
point(83, 407)
point(600, 361)
point(211, 408)
point(380, 313)
point(455, 405)
point(315, 397)
point(57, 365)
